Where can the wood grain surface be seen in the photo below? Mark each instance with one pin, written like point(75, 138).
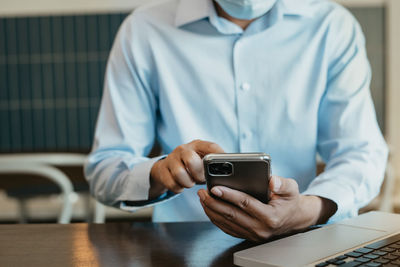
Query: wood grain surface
point(117, 244)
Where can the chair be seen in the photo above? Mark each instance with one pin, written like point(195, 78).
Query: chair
point(20, 167)
point(33, 168)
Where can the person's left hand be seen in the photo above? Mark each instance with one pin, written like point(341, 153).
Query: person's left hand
point(243, 216)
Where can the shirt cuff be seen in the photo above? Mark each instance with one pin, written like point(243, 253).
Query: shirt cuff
point(138, 181)
point(136, 205)
point(336, 193)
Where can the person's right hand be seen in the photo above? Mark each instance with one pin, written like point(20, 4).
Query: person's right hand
point(182, 168)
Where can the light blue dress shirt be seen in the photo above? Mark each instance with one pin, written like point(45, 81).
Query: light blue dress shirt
point(294, 84)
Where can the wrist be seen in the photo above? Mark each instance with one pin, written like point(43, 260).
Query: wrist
point(308, 211)
point(316, 210)
point(156, 187)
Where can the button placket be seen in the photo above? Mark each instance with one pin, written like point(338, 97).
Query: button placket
point(244, 99)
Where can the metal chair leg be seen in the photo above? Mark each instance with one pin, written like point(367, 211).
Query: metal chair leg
point(99, 213)
point(23, 210)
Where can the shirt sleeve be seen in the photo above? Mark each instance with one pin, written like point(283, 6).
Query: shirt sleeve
point(117, 168)
point(349, 138)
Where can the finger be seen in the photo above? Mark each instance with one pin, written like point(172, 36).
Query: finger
point(228, 226)
point(194, 165)
point(245, 202)
point(233, 214)
point(168, 181)
point(283, 186)
point(204, 147)
point(180, 174)
point(261, 219)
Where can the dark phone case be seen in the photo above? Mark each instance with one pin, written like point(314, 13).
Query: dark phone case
point(251, 177)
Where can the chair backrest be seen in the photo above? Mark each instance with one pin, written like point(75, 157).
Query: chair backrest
point(20, 166)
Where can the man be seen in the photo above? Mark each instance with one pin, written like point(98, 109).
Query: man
point(285, 77)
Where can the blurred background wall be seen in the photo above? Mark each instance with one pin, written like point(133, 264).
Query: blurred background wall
point(52, 61)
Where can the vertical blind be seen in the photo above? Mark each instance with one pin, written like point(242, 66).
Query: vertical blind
point(51, 79)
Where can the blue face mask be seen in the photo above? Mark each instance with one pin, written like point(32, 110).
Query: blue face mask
point(246, 9)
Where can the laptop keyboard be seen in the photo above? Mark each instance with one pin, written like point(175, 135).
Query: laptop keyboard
point(385, 252)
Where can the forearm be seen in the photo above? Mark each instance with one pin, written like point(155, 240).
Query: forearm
point(106, 180)
point(351, 180)
point(116, 176)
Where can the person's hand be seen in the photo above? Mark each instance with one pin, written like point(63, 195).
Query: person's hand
point(182, 168)
point(243, 216)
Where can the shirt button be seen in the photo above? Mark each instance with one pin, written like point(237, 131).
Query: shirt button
point(245, 86)
point(246, 135)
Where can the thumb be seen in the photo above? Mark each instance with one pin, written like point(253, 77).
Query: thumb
point(204, 147)
point(283, 186)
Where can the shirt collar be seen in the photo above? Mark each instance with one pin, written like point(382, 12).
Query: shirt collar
point(193, 10)
point(295, 7)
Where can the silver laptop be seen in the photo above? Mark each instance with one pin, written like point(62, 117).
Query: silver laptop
point(371, 239)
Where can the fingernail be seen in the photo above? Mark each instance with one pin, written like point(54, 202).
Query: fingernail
point(216, 191)
point(277, 184)
point(201, 195)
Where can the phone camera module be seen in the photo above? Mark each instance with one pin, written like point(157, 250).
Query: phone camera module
point(220, 169)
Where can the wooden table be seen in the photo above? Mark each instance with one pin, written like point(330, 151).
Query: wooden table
point(117, 244)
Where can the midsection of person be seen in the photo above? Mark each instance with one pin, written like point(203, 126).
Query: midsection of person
point(202, 92)
point(215, 108)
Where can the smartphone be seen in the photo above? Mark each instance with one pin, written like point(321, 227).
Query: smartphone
point(246, 172)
